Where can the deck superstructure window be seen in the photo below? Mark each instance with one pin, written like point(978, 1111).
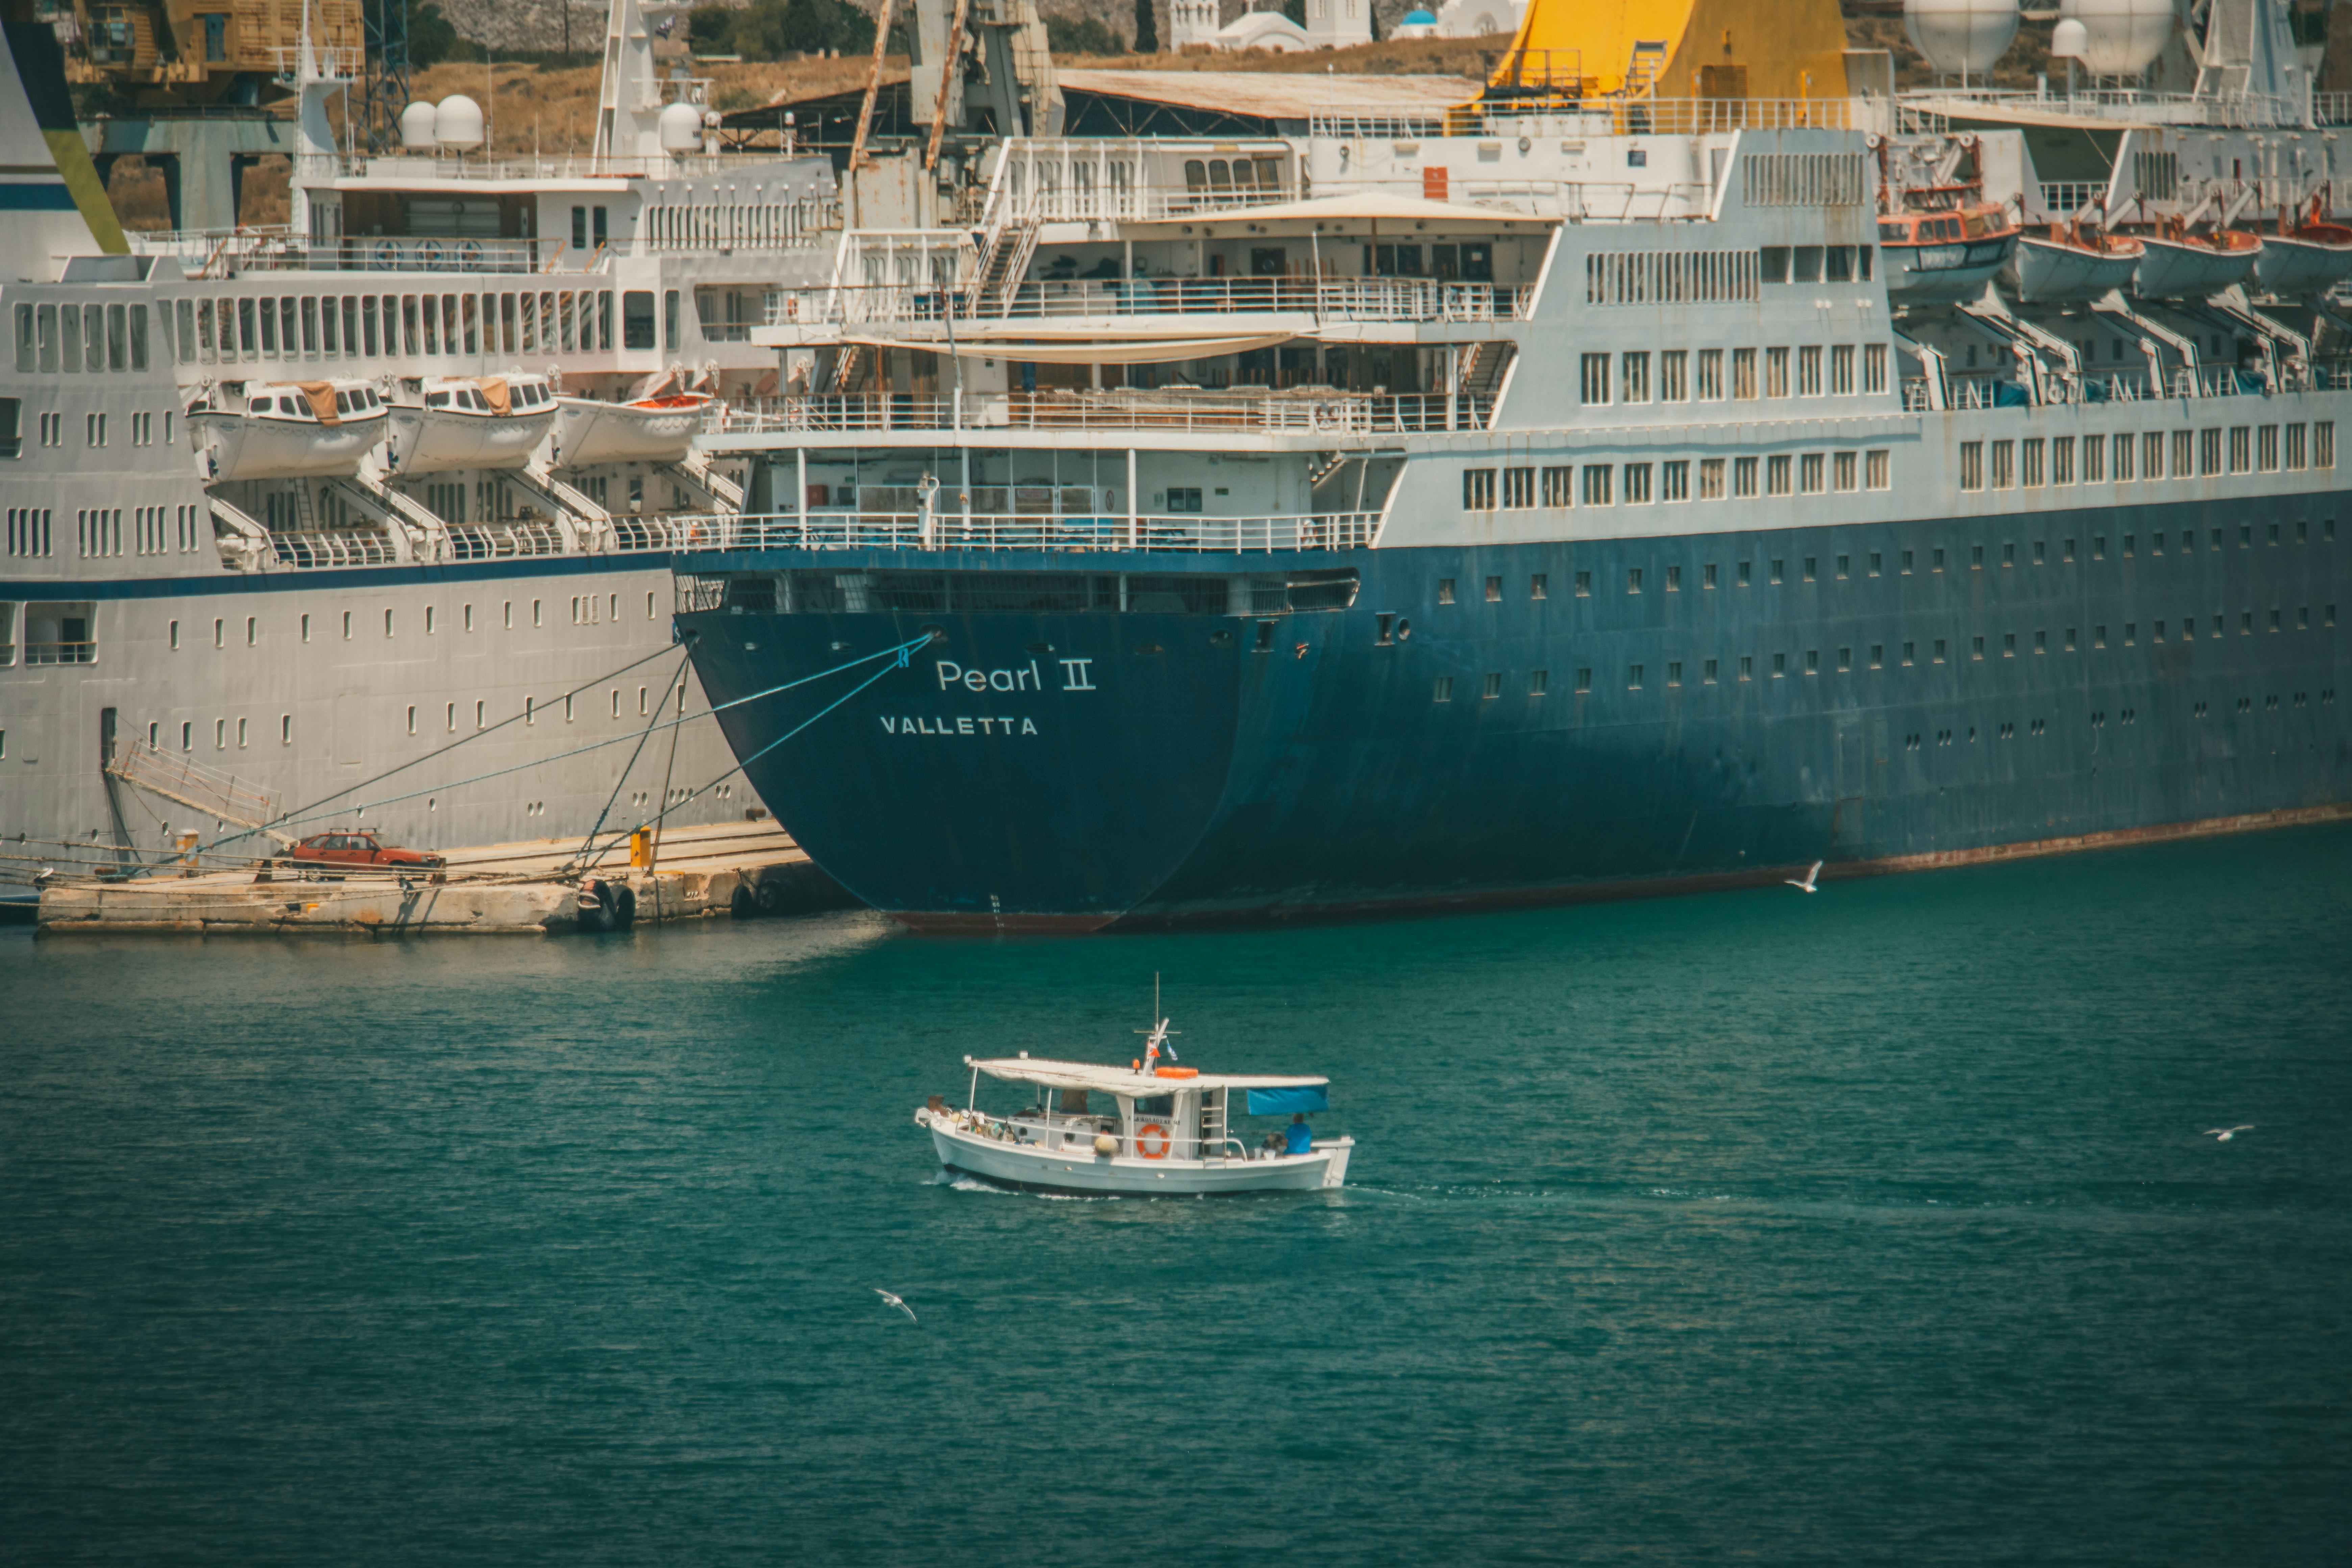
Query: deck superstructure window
point(1673, 480)
point(1637, 484)
point(1600, 484)
point(1634, 376)
point(1776, 372)
point(1809, 372)
point(1844, 468)
point(2004, 464)
point(1673, 375)
point(1743, 373)
point(1972, 465)
point(1710, 479)
point(1518, 489)
point(1478, 490)
point(1710, 376)
point(1559, 484)
point(1776, 475)
point(1743, 478)
point(1595, 378)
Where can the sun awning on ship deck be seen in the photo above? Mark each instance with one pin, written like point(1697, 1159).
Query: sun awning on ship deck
point(1111, 1078)
point(1369, 207)
point(1094, 351)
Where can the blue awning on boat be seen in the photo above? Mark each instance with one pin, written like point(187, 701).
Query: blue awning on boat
point(1284, 1101)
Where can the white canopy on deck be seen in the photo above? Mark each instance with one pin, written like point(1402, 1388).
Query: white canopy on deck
point(1113, 1079)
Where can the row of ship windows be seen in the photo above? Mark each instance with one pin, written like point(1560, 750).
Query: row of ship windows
point(2250, 448)
point(1539, 582)
point(50, 339)
point(1626, 377)
point(587, 610)
point(52, 428)
point(533, 712)
point(99, 533)
point(1637, 678)
point(1746, 666)
point(1639, 484)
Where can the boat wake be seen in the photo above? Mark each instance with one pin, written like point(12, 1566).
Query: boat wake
point(968, 1183)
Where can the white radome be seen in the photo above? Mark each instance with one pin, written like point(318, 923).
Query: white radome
point(1961, 37)
point(681, 128)
point(2123, 38)
point(458, 121)
point(416, 122)
point(2070, 40)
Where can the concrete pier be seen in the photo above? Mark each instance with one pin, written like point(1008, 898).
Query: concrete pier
point(736, 869)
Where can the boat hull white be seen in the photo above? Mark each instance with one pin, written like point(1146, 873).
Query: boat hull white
point(2048, 273)
point(2170, 270)
point(2289, 266)
point(247, 447)
point(1959, 269)
point(434, 440)
point(1076, 1168)
point(588, 433)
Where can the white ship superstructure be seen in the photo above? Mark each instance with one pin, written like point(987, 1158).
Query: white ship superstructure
point(298, 508)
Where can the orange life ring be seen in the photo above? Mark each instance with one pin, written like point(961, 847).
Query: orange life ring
point(1146, 1131)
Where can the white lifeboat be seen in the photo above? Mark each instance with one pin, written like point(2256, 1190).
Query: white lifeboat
point(286, 429)
point(649, 430)
point(471, 421)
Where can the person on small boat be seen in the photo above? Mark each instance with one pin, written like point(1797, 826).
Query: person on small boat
point(1301, 1137)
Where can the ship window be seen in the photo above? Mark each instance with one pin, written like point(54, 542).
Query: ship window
point(1584, 585)
point(1939, 650)
point(1843, 470)
point(1907, 564)
point(1710, 479)
point(1600, 484)
point(1584, 680)
point(1844, 567)
point(1538, 680)
point(1773, 264)
point(1747, 666)
point(1673, 579)
point(1972, 465)
point(1494, 685)
point(1518, 489)
point(1875, 561)
point(1536, 586)
point(1558, 486)
point(1780, 666)
point(1776, 475)
point(1443, 690)
point(1634, 678)
point(1477, 490)
point(1706, 575)
point(1385, 636)
point(638, 319)
point(1907, 649)
point(1595, 374)
point(1493, 590)
point(1708, 673)
point(1710, 374)
point(1445, 589)
point(1632, 580)
point(1878, 656)
point(1747, 571)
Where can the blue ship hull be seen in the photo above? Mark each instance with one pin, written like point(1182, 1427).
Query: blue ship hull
point(1061, 767)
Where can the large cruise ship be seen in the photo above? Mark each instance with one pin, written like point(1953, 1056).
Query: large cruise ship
point(1686, 459)
point(287, 512)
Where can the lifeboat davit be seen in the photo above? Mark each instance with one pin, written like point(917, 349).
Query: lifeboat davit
point(2074, 264)
point(2182, 266)
point(286, 429)
point(647, 430)
point(471, 421)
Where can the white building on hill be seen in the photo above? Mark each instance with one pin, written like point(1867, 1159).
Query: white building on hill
point(1330, 24)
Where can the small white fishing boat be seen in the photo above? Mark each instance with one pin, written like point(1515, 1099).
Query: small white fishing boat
point(649, 430)
point(2073, 265)
point(471, 421)
point(2183, 267)
point(1144, 1130)
point(286, 429)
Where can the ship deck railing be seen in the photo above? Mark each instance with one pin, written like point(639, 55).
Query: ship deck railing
point(222, 253)
point(60, 653)
point(1646, 116)
point(1930, 110)
point(1347, 299)
point(948, 529)
point(1319, 411)
point(309, 549)
point(1971, 393)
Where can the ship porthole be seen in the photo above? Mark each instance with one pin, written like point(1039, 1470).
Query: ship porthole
point(1404, 629)
point(937, 634)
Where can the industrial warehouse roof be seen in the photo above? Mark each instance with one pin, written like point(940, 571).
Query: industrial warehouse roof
point(1145, 103)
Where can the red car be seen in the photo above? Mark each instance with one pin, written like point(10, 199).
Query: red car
point(360, 850)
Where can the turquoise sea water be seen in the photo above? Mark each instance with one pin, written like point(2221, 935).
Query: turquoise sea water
point(1869, 1227)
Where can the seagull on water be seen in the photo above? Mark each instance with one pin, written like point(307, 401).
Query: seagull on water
point(2223, 1134)
point(896, 1302)
point(1811, 877)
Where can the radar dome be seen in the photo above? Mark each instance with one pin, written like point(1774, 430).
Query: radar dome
point(681, 128)
point(2123, 38)
point(458, 121)
point(2068, 39)
point(1961, 37)
point(417, 125)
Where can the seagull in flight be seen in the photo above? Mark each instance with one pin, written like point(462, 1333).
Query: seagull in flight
point(896, 1302)
point(2223, 1134)
point(1811, 877)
